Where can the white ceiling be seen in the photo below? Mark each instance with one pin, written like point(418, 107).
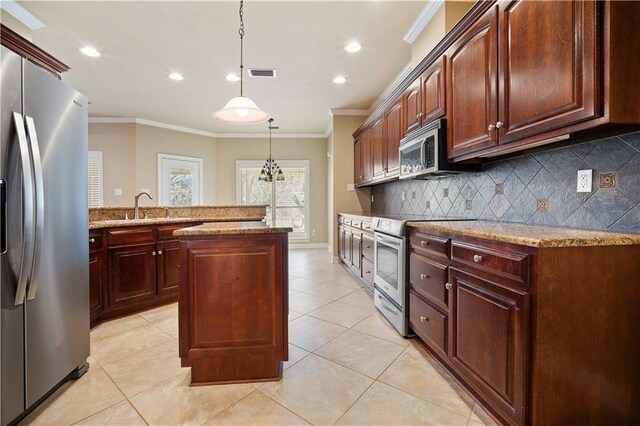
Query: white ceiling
point(142, 42)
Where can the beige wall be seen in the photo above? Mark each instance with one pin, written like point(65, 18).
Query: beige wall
point(341, 155)
point(118, 145)
point(151, 141)
point(445, 19)
point(229, 150)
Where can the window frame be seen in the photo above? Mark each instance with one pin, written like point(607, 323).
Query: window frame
point(304, 164)
point(200, 161)
point(97, 155)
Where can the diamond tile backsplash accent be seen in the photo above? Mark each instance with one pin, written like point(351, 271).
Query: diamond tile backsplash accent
point(512, 190)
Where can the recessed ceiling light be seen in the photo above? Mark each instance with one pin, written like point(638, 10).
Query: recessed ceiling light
point(339, 80)
point(176, 76)
point(232, 77)
point(90, 51)
point(353, 47)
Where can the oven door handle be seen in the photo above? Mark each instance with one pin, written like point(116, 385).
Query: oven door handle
point(393, 242)
point(387, 306)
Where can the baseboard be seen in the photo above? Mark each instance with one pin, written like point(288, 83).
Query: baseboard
point(335, 259)
point(294, 245)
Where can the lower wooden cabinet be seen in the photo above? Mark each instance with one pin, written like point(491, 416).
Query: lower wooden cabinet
point(168, 262)
point(132, 275)
point(355, 247)
point(97, 284)
point(356, 251)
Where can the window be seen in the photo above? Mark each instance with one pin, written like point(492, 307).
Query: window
point(287, 200)
point(179, 180)
point(95, 179)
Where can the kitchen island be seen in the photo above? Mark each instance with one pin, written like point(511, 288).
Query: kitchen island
point(233, 302)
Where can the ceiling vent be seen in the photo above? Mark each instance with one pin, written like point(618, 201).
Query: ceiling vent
point(262, 73)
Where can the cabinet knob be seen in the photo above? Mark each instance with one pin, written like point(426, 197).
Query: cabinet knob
point(92, 240)
point(160, 252)
point(424, 319)
point(477, 258)
point(424, 243)
point(448, 286)
point(424, 276)
point(499, 124)
point(491, 127)
point(153, 253)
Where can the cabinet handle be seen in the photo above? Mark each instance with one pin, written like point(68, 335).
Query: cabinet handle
point(477, 258)
point(367, 247)
point(92, 240)
point(491, 127)
point(367, 272)
point(424, 243)
point(448, 286)
point(424, 277)
point(160, 252)
point(424, 319)
point(153, 253)
point(499, 124)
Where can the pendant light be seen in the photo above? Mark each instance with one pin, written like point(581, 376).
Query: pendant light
point(241, 110)
point(271, 168)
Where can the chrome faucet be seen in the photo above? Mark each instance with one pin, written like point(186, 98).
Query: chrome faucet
point(135, 209)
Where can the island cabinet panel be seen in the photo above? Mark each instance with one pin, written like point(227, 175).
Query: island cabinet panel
point(472, 83)
point(549, 76)
point(132, 274)
point(168, 267)
point(393, 133)
point(233, 307)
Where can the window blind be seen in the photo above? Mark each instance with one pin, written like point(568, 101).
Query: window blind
point(95, 178)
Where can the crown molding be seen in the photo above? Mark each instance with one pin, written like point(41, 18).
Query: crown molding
point(329, 129)
point(345, 111)
point(422, 20)
point(404, 72)
point(158, 124)
point(21, 14)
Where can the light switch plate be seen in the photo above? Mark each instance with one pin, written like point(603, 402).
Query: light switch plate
point(117, 191)
point(585, 180)
point(351, 187)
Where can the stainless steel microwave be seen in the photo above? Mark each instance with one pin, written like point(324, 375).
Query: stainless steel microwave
point(423, 154)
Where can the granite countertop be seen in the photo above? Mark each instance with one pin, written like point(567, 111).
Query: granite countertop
point(530, 235)
point(228, 228)
point(99, 224)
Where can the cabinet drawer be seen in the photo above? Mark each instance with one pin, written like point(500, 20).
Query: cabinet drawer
point(367, 272)
point(95, 241)
point(165, 232)
point(367, 246)
point(429, 279)
point(347, 221)
point(429, 324)
point(366, 225)
point(508, 264)
point(356, 223)
point(130, 236)
point(432, 243)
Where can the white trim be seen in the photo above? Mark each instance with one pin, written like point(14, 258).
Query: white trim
point(422, 20)
point(329, 129)
point(145, 122)
point(293, 244)
point(405, 71)
point(200, 161)
point(345, 111)
point(21, 14)
point(335, 259)
point(97, 155)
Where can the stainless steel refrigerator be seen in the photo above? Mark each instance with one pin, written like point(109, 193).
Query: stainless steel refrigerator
point(44, 323)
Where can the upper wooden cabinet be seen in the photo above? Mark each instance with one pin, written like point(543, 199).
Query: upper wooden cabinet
point(366, 158)
point(378, 149)
point(472, 86)
point(411, 99)
point(393, 132)
point(358, 175)
point(424, 100)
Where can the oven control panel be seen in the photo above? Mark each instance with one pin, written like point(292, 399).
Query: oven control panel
point(388, 226)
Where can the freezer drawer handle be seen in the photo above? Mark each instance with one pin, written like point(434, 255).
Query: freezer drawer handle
point(39, 216)
point(28, 232)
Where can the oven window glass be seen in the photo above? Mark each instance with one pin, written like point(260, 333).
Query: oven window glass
point(388, 265)
point(410, 160)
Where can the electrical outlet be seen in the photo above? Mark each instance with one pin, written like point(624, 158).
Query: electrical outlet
point(584, 180)
point(117, 192)
point(351, 187)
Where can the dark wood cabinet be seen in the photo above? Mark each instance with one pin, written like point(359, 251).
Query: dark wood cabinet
point(378, 149)
point(97, 284)
point(355, 247)
point(472, 84)
point(341, 236)
point(358, 171)
point(366, 158)
point(433, 95)
point(393, 133)
point(168, 267)
point(559, 41)
point(412, 107)
point(132, 275)
point(356, 251)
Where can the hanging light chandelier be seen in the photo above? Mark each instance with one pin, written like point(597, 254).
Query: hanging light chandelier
point(271, 168)
point(241, 110)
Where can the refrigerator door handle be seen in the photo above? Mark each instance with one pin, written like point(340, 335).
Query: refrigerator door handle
point(28, 231)
point(39, 204)
point(3, 216)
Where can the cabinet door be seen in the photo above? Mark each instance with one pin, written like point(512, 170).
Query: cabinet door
point(356, 251)
point(366, 160)
point(358, 175)
point(548, 66)
point(341, 241)
point(168, 267)
point(433, 91)
point(393, 132)
point(97, 284)
point(412, 104)
point(488, 339)
point(132, 274)
point(471, 68)
point(347, 246)
point(379, 148)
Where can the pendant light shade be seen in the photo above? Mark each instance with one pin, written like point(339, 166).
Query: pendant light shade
point(241, 110)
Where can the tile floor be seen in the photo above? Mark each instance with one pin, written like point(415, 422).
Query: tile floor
point(346, 366)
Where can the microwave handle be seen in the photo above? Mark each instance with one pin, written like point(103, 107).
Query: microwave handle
point(424, 166)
